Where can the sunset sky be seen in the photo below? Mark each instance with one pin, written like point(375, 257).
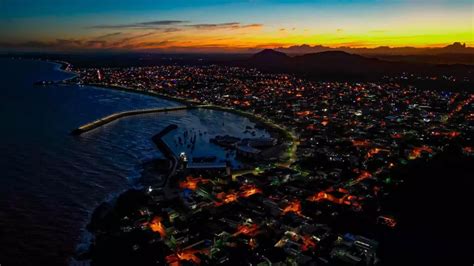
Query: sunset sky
point(211, 25)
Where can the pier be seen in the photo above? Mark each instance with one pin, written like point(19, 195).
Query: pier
point(169, 192)
point(105, 120)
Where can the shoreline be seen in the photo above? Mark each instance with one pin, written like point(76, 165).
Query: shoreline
point(285, 133)
point(83, 249)
point(272, 127)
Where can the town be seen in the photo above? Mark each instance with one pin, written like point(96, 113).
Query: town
point(302, 208)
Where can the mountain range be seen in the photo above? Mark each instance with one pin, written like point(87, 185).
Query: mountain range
point(343, 66)
point(456, 53)
point(455, 48)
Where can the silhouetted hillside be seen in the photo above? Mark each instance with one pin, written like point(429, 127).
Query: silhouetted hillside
point(335, 62)
point(270, 55)
point(339, 65)
point(455, 48)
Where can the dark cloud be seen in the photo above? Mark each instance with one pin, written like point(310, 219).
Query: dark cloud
point(144, 45)
point(154, 43)
point(57, 44)
point(254, 25)
point(163, 22)
point(126, 40)
point(141, 25)
point(215, 25)
point(105, 36)
point(96, 44)
point(227, 25)
point(68, 42)
point(28, 44)
point(168, 30)
point(168, 26)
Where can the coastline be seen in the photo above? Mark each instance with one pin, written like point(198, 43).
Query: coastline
point(272, 127)
point(152, 170)
point(287, 134)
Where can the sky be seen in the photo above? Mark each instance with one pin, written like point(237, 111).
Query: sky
point(212, 25)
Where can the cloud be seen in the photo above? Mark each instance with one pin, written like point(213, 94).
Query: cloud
point(105, 36)
point(168, 30)
point(56, 44)
point(77, 44)
point(125, 41)
point(255, 25)
point(146, 45)
point(96, 44)
point(73, 43)
point(163, 22)
point(214, 25)
point(140, 25)
point(226, 25)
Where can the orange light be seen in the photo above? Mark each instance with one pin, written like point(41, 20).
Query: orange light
point(360, 143)
point(249, 190)
point(157, 226)
point(192, 182)
point(363, 175)
point(293, 206)
point(397, 136)
point(468, 150)
point(451, 134)
point(304, 113)
point(185, 255)
point(389, 221)
point(311, 127)
point(308, 243)
point(324, 195)
point(374, 151)
point(247, 230)
point(416, 152)
point(226, 198)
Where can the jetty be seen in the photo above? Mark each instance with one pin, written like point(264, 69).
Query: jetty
point(169, 192)
point(105, 120)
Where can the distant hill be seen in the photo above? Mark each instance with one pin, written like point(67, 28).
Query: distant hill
point(343, 66)
point(455, 48)
point(268, 55)
point(321, 64)
point(456, 53)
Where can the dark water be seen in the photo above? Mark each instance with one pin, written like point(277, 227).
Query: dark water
point(50, 182)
